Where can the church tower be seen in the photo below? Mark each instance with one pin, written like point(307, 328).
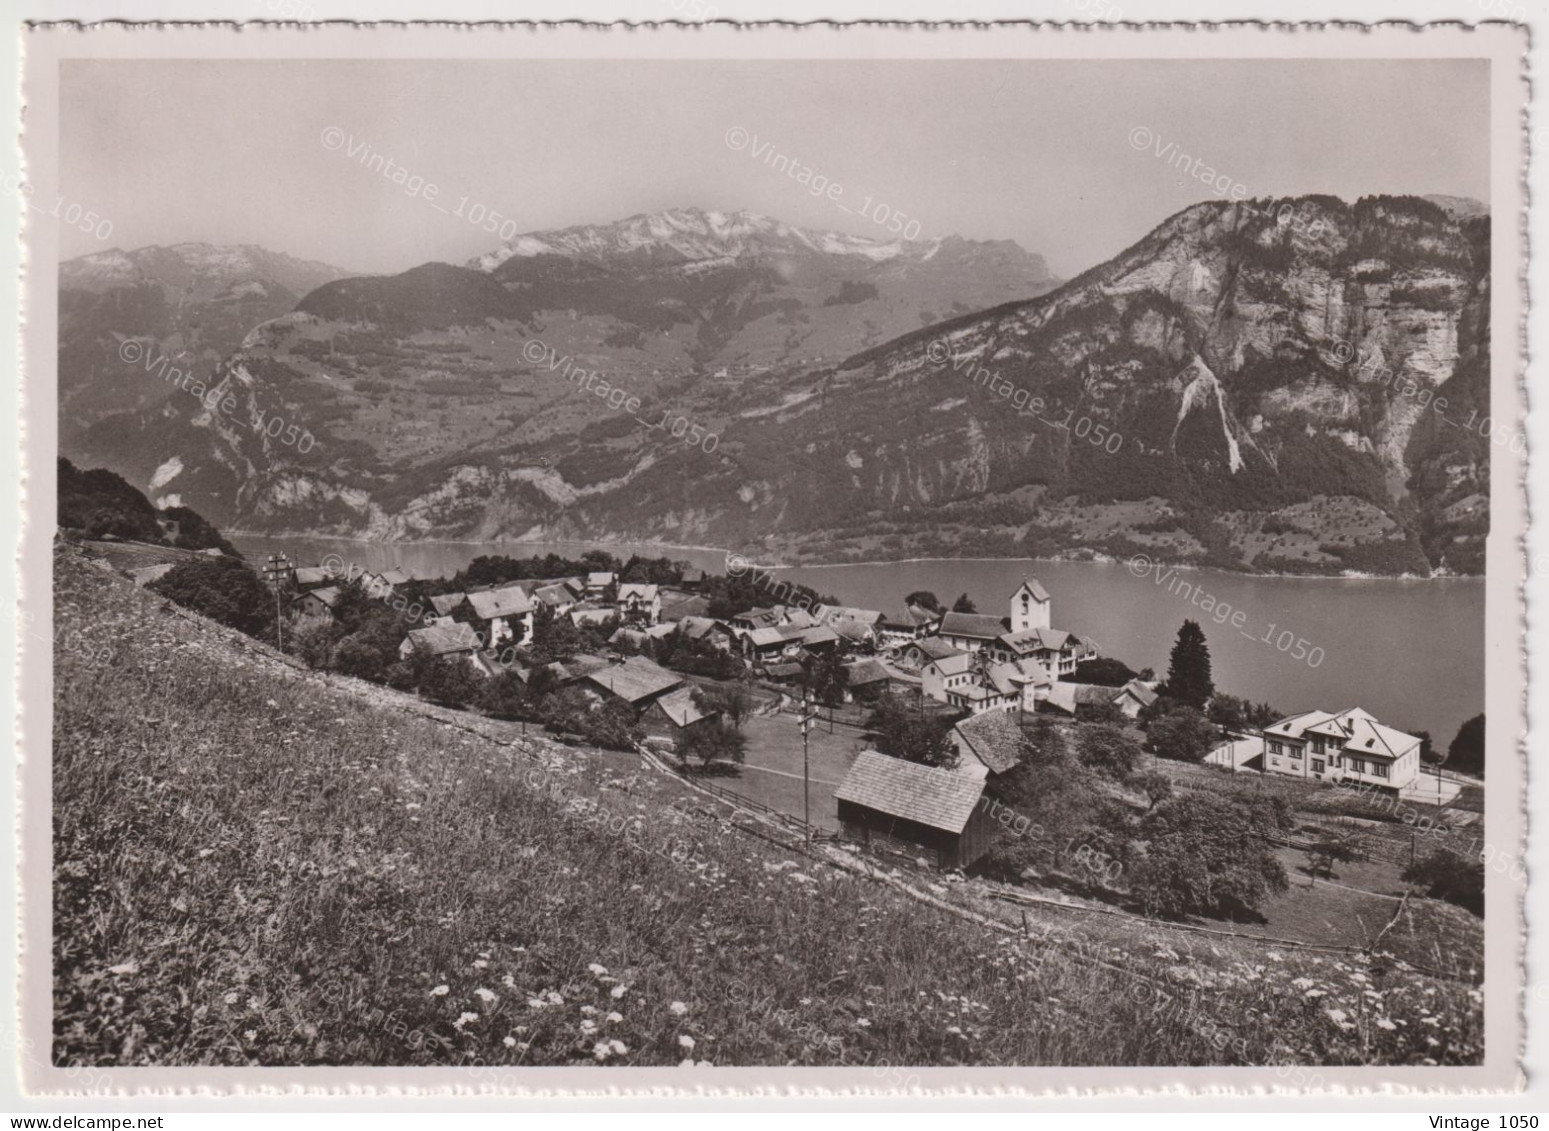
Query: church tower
point(1030, 606)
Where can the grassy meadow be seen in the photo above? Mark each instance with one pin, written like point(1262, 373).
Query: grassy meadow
point(258, 865)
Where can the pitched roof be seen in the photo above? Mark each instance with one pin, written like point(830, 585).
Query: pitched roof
point(311, 575)
point(580, 617)
point(439, 639)
point(848, 612)
point(693, 576)
point(680, 606)
point(396, 576)
point(328, 595)
point(977, 625)
point(1038, 591)
point(697, 628)
point(995, 738)
point(1068, 696)
point(783, 671)
point(863, 672)
point(818, 634)
point(446, 602)
point(577, 667)
point(1143, 694)
point(491, 603)
point(936, 798)
point(1035, 640)
point(936, 648)
point(775, 634)
point(636, 679)
point(679, 706)
point(554, 595)
point(852, 630)
point(601, 579)
point(638, 591)
point(955, 664)
point(1359, 732)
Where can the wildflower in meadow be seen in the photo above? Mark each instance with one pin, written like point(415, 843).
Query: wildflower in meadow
point(677, 1009)
point(488, 997)
point(686, 1041)
point(441, 991)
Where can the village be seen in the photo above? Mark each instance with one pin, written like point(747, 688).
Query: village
point(787, 696)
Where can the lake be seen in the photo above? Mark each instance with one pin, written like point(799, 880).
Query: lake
point(1411, 652)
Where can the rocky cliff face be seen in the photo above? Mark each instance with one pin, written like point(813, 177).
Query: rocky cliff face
point(1277, 386)
point(1283, 386)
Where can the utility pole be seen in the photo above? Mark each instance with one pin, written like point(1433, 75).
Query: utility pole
point(276, 573)
point(808, 716)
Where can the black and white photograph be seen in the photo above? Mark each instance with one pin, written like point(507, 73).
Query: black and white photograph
point(756, 553)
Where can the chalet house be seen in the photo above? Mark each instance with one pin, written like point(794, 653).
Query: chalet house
point(640, 603)
point(446, 606)
point(766, 645)
point(913, 657)
point(692, 578)
point(673, 715)
point(991, 743)
point(1351, 746)
point(597, 583)
point(901, 627)
point(859, 627)
point(903, 806)
point(384, 584)
point(316, 605)
point(448, 640)
point(1056, 650)
point(970, 632)
point(868, 678)
point(558, 598)
point(755, 618)
point(503, 616)
point(703, 628)
point(637, 681)
point(1134, 697)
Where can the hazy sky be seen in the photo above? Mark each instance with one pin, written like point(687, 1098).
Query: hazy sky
point(1053, 155)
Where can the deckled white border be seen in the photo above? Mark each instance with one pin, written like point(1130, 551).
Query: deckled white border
point(1102, 40)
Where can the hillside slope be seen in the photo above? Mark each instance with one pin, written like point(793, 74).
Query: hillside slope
point(256, 865)
point(1250, 386)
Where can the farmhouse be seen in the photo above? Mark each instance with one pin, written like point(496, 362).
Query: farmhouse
point(450, 639)
point(889, 803)
point(1351, 746)
point(559, 598)
point(913, 656)
point(316, 604)
point(637, 681)
point(674, 715)
point(991, 743)
point(503, 616)
point(641, 603)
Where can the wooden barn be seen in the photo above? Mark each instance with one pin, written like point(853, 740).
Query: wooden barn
point(889, 803)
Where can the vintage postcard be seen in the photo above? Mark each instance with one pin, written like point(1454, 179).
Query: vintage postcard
point(861, 558)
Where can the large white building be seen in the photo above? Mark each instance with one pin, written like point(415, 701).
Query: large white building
point(1351, 746)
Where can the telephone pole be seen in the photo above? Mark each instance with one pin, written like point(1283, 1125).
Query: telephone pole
point(276, 573)
point(808, 717)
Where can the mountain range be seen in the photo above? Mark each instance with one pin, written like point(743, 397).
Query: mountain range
point(1280, 387)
